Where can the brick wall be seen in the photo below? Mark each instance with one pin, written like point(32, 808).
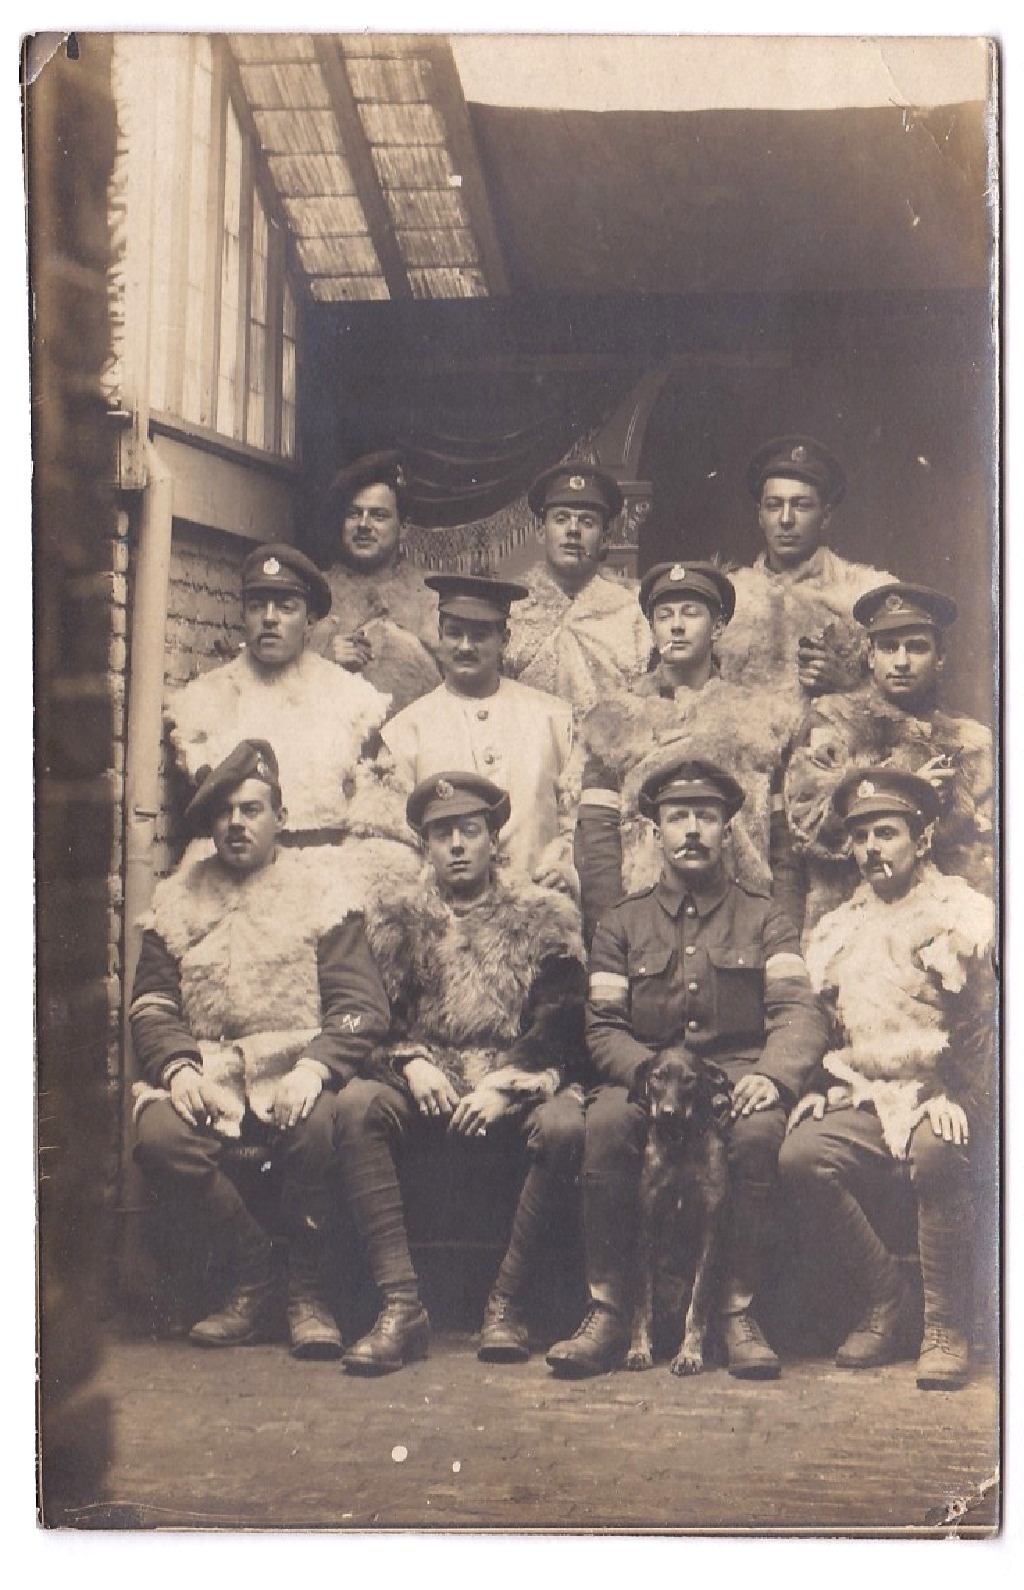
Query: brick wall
point(79, 698)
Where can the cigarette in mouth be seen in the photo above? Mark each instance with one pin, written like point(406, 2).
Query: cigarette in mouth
point(887, 869)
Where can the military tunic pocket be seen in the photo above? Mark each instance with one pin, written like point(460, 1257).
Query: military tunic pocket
point(655, 998)
point(739, 991)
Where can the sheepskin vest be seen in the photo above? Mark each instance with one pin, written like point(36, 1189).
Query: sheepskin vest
point(246, 949)
point(578, 647)
point(315, 715)
point(862, 729)
point(887, 970)
point(458, 979)
point(398, 615)
point(773, 610)
point(638, 734)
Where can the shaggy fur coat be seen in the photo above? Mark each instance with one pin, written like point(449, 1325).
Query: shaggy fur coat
point(577, 647)
point(398, 615)
point(315, 715)
point(247, 955)
point(773, 610)
point(908, 985)
point(635, 734)
point(493, 991)
point(862, 729)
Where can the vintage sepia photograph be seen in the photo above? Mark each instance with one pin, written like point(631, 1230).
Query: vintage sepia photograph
point(516, 598)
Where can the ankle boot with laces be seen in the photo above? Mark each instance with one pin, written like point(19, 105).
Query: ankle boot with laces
point(400, 1333)
point(599, 1344)
point(504, 1334)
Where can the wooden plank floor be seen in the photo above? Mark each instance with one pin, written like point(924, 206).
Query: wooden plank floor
point(251, 1438)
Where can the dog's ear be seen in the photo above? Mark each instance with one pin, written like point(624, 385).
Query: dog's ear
point(640, 1087)
point(715, 1077)
point(718, 1092)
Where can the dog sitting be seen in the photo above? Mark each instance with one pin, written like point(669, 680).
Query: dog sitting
point(684, 1184)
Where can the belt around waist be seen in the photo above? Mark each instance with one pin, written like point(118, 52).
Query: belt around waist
point(307, 838)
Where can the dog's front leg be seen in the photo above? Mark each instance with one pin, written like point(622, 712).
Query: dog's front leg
point(641, 1349)
point(690, 1358)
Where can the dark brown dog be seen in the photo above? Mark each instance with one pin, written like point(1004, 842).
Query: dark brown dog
point(683, 1188)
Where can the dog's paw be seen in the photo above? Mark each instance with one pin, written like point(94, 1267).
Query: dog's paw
point(687, 1362)
point(639, 1358)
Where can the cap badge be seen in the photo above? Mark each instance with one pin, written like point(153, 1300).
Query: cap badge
point(399, 476)
point(262, 770)
point(894, 603)
point(444, 789)
point(865, 788)
point(271, 566)
point(577, 483)
point(799, 454)
point(677, 572)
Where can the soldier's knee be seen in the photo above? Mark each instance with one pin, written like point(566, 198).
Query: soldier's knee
point(166, 1145)
point(556, 1133)
point(754, 1143)
point(615, 1128)
point(365, 1108)
point(936, 1166)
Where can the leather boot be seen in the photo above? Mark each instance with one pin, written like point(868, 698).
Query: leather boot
point(400, 1334)
point(252, 1312)
point(598, 1344)
point(748, 1354)
point(504, 1334)
point(312, 1329)
point(750, 1357)
point(880, 1335)
point(944, 1240)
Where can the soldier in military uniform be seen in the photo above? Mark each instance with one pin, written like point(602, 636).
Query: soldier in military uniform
point(578, 633)
point(486, 980)
point(697, 960)
point(904, 968)
point(319, 718)
point(256, 998)
point(793, 633)
point(894, 719)
point(477, 719)
point(383, 621)
point(682, 706)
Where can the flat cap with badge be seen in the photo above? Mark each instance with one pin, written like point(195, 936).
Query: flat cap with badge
point(885, 792)
point(575, 486)
point(249, 759)
point(476, 596)
point(277, 567)
point(671, 581)
point(901, 606)
point(797, 458)
point(385, 468)
point(447, 795)
point(689, 779)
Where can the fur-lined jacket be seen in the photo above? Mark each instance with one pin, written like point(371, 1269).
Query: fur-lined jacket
point(863, 729)
point(908, 984)
point(579, 647)
point(317, 717)
point(629, 737)
point(398, 615)
point(242, 975)
point(774, 609)
point(494, 991)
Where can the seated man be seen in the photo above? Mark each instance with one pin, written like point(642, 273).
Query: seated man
point(682, 707)
point(895, 718)
point(578, 632)
point(509, 733)
point(487, 982)
point(904, 969)
point(701, 960)
point(318, 717)
point(256, 998)
point(383, 620)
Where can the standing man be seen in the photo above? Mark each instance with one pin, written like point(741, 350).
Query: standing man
point(382, 623)
point(793, 630)
point(681, 707)
point(578, 633)
point(255, 1000)
point(318, 717)
point(509, 733)
point(895, 718)
point(904, 968)
point(700, 960)
point(487, 984)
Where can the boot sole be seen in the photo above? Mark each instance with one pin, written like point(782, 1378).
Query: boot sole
point(755, 1371)
point(252, 1339)
point(503, 1355)
point(934, 1383)
point(317, 1351)
point(569, 1371)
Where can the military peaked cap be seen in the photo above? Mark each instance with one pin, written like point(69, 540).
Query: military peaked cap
point(575, 486)
point(277, 567)
point(690, 779)
point(797, 458)
point(475, 595)
point(675, 580)
point(885, 791)
point(446, 795)
point(901, 606)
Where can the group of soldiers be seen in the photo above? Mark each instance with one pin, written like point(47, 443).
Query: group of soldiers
point(466, 855)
